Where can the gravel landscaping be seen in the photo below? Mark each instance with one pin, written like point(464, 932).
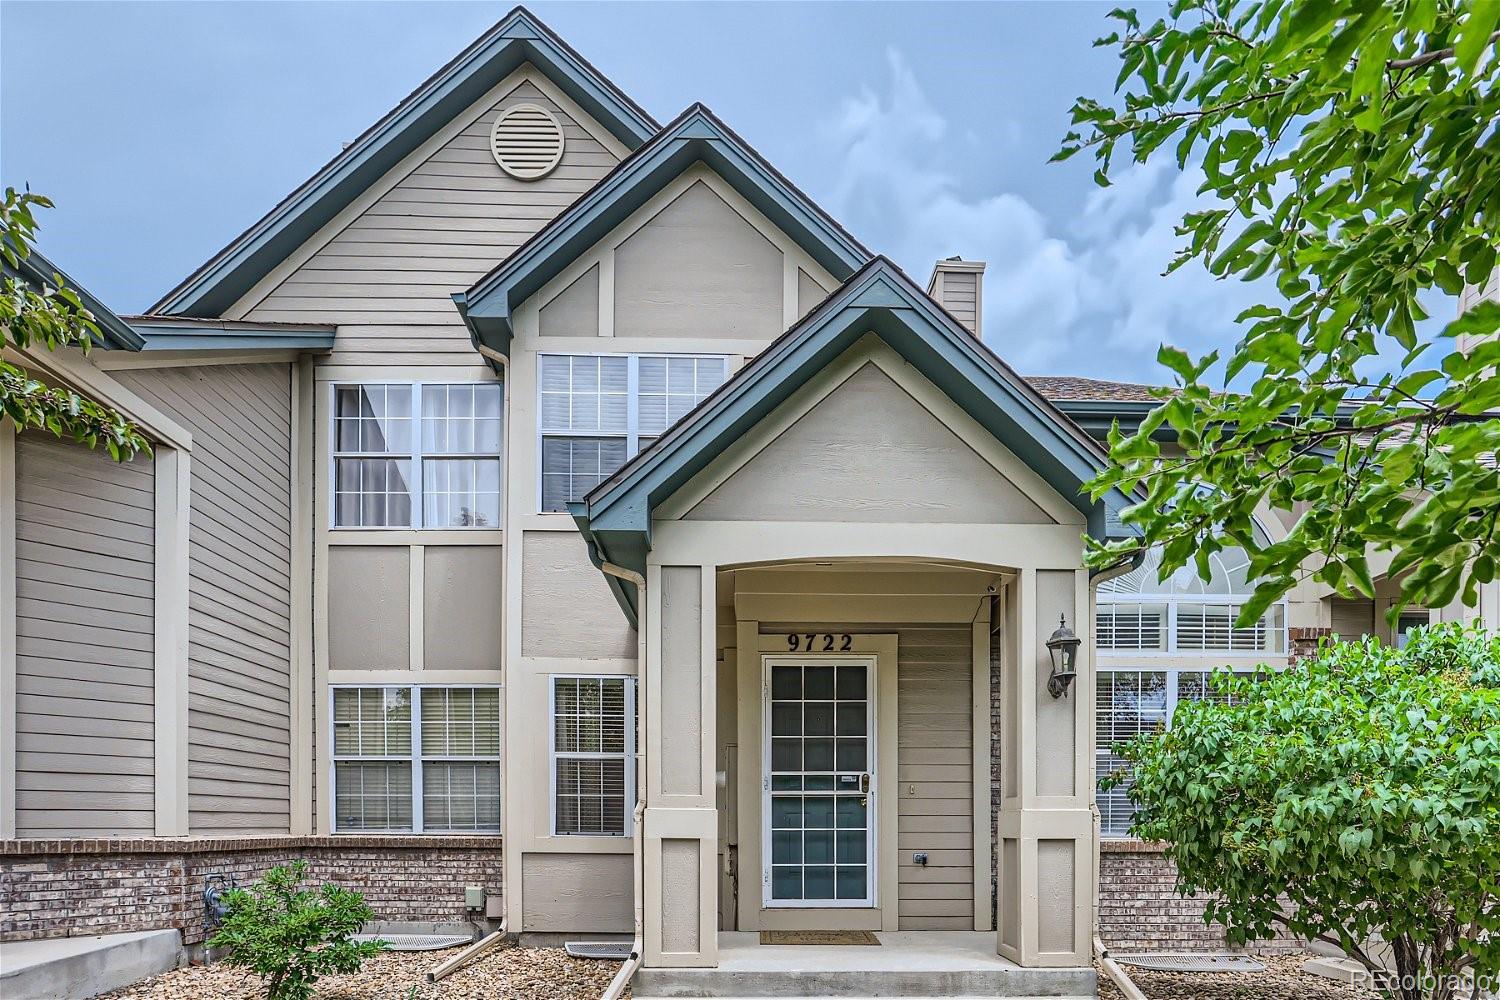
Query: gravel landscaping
point(508, 974)
point(1282, 980)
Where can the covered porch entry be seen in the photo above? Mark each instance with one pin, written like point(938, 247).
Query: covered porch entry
point(853, 727)
point(844, 567)
point(863, 743)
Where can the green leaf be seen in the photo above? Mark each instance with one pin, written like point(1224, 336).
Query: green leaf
point(1474, 34)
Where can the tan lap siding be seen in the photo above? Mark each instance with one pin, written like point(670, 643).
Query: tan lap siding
point(387, 276)
point(934, 762)
point(84, 639)
point(239, 590)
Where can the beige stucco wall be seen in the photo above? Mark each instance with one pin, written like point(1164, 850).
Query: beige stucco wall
point(698, 269)
point(836, 463)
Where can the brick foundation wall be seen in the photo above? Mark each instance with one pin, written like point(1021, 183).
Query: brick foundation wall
point(1140, 910)
point(66, 888)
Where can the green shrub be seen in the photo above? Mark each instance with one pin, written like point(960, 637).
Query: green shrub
point(290, 935)
point(1355, 795)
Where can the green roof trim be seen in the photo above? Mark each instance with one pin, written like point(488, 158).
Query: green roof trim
point(615, 518)
point(162, 333)
point(697, 135)
point(520, 37)
point(117, 335)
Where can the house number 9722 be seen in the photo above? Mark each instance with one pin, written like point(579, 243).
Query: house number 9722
point(819, 642)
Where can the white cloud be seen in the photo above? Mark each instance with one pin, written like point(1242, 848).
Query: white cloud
point(1084, 298)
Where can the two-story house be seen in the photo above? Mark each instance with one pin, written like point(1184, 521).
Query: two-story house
point(551, 500)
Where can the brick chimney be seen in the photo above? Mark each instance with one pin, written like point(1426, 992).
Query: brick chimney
point(958, 286)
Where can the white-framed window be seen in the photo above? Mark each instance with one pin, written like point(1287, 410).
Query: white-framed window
point(390, 438)
point(416, 759)
point(598, 410)
point(1408, 622)
point(1130, 701)
point(1185, 614)
point(592, 755)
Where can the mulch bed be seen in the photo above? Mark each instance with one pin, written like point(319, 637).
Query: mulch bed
point(507, 974)
point(1282, 980)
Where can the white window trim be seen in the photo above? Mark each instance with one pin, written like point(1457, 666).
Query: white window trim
point(416, 455)
point(632, 434)
point(630, 754)
point(1172, 680)
point(1278, 636)
point(415, 760)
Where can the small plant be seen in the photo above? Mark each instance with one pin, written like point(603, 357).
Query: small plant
point(290, 935)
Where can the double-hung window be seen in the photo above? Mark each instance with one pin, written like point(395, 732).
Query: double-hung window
point(1130, 702)
point(593, 755)
point(417, 455)
point(416, 759)
point(598, 410)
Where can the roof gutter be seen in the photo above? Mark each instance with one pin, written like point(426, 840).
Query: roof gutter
point(1127, 565)
point(114, 332)
point(622, 978)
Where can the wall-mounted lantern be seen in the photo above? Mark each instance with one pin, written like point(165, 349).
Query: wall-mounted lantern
point(1063, 648)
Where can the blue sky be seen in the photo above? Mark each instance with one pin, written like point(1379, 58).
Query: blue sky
point(163, 130)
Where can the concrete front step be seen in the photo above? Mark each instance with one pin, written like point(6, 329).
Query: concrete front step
point(721, 984)
point(78, 967)
point(904, 964)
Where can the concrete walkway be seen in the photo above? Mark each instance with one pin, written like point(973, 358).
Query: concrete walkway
point(905, 964)
point(77, 967)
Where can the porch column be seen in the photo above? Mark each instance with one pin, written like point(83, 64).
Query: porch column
point(681, 821)
point(1045, 831)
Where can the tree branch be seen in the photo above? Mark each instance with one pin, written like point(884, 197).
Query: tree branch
point(1427, 58)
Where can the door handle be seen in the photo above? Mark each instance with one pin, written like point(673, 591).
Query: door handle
point(864, 782)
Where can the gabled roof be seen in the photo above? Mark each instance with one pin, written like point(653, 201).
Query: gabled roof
point(42, 273)
point(696, 135)
point(518, 38)
point(615, 518)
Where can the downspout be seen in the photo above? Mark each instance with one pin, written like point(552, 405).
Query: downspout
point(618, 985)
point(1111, 968)
point(494, 357)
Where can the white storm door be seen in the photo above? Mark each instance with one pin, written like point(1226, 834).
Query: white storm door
point(818, 782)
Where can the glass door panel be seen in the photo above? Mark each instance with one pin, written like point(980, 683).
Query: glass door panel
point(818, 782)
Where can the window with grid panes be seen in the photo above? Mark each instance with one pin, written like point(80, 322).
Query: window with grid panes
point(1140, 612)
point(389, 437)
point(1129, 702)
point(416, 760)
point(593, 755)
point(596, 411)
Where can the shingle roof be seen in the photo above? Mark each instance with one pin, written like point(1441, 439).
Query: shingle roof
point(1075, 387)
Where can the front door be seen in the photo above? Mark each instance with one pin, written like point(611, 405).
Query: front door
point(818, 785)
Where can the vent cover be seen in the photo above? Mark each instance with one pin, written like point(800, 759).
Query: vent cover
point(527, 142)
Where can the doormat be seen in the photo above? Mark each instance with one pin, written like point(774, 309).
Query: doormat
point(818, 937)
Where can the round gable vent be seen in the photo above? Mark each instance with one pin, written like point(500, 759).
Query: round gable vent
point(527, 142)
